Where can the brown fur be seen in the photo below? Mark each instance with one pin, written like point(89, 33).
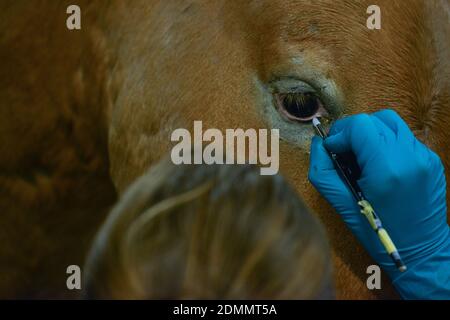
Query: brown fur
point(54, 181)
point(139, 69)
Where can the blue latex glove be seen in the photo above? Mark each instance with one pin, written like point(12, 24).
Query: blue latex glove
point(405, 183)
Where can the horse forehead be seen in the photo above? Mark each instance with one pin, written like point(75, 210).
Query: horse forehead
point(340, 23)
point(412, 39)
point(407, 61)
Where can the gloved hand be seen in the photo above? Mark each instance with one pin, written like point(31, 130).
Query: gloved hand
point(405, 183)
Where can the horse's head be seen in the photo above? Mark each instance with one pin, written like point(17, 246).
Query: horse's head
point(235, 64)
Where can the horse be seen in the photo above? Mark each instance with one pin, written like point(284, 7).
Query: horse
point(84, 113)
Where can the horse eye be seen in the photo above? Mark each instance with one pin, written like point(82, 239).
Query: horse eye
point(300, 106)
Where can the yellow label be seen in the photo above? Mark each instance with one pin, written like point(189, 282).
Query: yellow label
point(386, 240)
point(367, 210)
